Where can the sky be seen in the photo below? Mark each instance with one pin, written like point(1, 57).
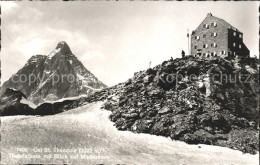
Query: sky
point(113, 39)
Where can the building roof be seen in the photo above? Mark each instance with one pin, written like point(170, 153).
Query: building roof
point(223, 22)
point(226, 24)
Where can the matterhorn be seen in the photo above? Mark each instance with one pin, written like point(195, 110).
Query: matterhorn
point(52, 77)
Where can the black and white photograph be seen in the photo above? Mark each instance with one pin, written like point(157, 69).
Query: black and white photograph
point(129, 82)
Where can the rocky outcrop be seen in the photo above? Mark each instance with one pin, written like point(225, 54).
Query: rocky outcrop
point(192, 100)
point(14, 102)
point(58, 75)
point(10, 103)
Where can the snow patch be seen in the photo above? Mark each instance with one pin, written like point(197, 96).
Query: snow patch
point(64, 99)
point(4, 98)
point(42, 84)
point(80, 77)
point(250, 69)
point(13, 89)
point(27, 102)
point(47, 72)
point(85, 82)
point(53, 53)
point(237, 66)
point(34, 60)
point(200, 84)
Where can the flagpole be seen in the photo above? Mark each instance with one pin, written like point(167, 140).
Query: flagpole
point(188, 41)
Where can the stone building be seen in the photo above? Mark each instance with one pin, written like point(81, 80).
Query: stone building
point(216, 37)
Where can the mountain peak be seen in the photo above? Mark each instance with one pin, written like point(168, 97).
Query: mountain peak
point(36, 58)
point(64, 48)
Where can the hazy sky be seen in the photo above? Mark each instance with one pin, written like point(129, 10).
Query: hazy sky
point(113, 39)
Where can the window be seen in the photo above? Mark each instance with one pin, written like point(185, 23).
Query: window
point(213, 45)
point(204, 54)
point(195, 47)
point(239, 46)
point(197, 37)
point(223, 52)
point(206, 26)
point(213, 24)
point(240, 35)
point(234, 44)
point(214, 34)
point(234, 34)
point(234, 53)
point(204, 35)
point(205, 45)
point(212, 54)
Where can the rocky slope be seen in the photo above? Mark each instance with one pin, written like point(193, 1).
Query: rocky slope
point(58, 75)
point(11, 103)
point(200, 105)
point(203, 104)
point(14, 102)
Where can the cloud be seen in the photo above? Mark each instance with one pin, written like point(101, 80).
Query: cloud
point(31, 47)
point(93, 55)
point(26, 40)
point(7, 7)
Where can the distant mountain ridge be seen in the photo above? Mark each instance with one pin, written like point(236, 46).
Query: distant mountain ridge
point(58, 75)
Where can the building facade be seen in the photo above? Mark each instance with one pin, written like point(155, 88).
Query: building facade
point(215, 37)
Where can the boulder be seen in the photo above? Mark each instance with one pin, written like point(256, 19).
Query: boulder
point(130, 115)
point(147, 79)
point(165, 110)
